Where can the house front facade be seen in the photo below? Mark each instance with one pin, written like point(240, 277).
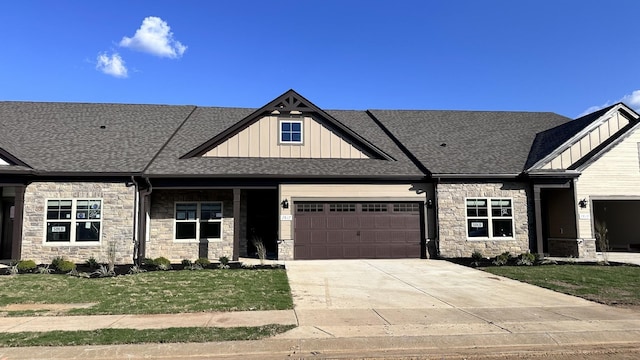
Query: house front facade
point(143, 181)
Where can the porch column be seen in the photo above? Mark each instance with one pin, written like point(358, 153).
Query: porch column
point(538, 214)
point(236, 224)
point(16, 246)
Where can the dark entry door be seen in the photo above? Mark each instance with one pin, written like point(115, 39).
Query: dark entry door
point(6, 236)
point(262, 220)
point(363, 230)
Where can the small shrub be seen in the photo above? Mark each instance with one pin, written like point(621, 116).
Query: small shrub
point(502, 259)
point(203, 261)
point(55, 263)
point(135, 269)
point(194, 266)
point(13, 269)
point(186, 263)
point(111, 255)
point(162, 263)
point(44, 269)
point(476, 257)
point(248, 266)
point(223, 260)
point(261, 250)
point(26, 265)
point(147, 261)
point(66, 266)
point(163, 267)
point(161, 260)
point(104, 271)
point(526, 259)
point(92, 263)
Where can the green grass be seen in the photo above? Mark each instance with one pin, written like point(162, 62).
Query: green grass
point(158, 292)
point(130, 336)
point(612, 285)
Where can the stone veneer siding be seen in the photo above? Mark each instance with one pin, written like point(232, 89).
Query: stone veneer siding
point(161, 230)
point(452, 219)
point(117, 221)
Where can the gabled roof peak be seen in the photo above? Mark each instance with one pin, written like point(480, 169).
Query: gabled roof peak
point(289, 102)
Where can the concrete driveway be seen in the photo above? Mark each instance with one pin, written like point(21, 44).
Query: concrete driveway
point(414, 297)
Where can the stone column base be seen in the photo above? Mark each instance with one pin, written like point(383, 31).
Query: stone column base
point(587, 248)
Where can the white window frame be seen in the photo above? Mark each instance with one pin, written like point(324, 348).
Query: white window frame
point(291, 121)
point(73, 223)
point(489, 219)
point(197, 220)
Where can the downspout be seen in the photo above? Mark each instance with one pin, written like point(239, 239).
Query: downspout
point(139, 235)
point(436, 208)
point(136, 214)
point(142, 230)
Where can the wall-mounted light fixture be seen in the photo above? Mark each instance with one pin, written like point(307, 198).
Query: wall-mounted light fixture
point(429, 204)
point(285, 204)
point(583, 203)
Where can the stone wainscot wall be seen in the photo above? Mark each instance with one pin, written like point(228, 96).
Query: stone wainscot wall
point(161, 237)
point(453, 224)
point(117, 221)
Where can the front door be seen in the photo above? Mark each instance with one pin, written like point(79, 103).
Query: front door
point(6, 237)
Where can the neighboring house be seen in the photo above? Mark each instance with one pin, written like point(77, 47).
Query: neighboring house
point(188, 182)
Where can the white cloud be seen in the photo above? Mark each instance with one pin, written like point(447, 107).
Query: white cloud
point(111, 65)
point(155, 37)
point(632, 100)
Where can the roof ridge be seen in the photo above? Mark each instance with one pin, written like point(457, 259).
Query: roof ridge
point(169, 139)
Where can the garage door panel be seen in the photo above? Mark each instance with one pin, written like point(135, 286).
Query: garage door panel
point(358, 230)
point(368, 252)
point(382, 222)
point(367, 222)
point(318, 237)
point(351, 222)
point(333, 222)
point(318, 223)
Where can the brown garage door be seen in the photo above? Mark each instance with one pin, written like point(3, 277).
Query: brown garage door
point(364, 230)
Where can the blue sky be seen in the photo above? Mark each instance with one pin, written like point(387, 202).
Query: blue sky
point(562, 56)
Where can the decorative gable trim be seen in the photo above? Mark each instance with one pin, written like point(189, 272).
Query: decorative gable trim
point(605, 147)
point(291, 103)
point(572, 153)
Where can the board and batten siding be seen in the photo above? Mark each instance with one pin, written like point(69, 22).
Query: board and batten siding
point(334, 192)
point(261, 140)
point(616, 174)
point(588, 142)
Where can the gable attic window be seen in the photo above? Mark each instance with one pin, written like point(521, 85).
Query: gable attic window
point(290, 131)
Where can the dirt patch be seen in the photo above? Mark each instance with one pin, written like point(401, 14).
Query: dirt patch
point(57, 308)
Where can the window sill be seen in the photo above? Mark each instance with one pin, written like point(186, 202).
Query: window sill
point(195, 241)
point(491, 238)
point(72, 244)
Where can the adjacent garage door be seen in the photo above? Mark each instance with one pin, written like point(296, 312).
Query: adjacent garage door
point(363, 230)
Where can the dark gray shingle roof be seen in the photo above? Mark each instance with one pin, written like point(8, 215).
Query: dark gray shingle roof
point(468, 142)
point(67, 137)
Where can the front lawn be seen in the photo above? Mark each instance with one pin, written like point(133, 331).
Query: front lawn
point(611, 285)
point(158, 292)
point(131, 336)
